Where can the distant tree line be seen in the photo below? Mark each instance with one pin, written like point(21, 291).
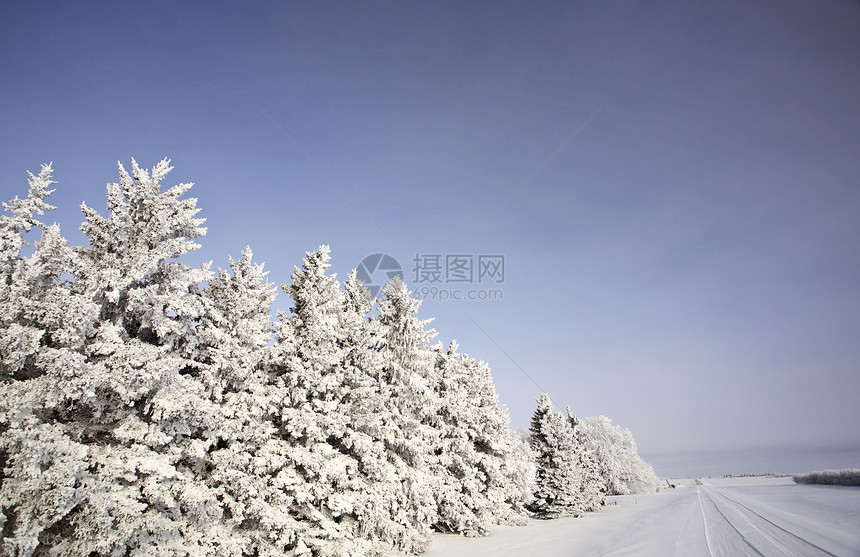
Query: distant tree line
point(152, 408)
point(847, 476)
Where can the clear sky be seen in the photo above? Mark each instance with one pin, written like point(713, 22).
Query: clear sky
point(675, 186)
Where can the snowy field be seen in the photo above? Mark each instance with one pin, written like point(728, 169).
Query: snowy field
point(727, 516)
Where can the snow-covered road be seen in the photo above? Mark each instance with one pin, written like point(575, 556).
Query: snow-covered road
point(725, 517)
point(733, 528)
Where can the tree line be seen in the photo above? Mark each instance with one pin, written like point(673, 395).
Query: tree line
point(152, 408)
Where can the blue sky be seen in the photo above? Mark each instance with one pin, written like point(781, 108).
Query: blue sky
point(675, 186)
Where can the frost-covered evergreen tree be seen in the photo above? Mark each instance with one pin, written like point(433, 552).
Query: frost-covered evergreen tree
point(558, 478)
point(43, 326)
point(37, 308)
point(152, 412)
point(235, 328)
point(45, 462)
point(592, 488)
point(233, 338)
point(320, 480)
point(22, 219)
point(622, 469)
point(106, 455)
point(480, 471)
point(386, 511)
point(131, 267)
point(409, 423)
point(351, 494)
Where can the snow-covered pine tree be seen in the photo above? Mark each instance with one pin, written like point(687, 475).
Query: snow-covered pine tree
point(42, 328)
point(622, 469)
point(304, 369)
point(462, 502)
point(102, 449)
point(592, 488)
point(22, 219)
point(480, 488)
point(380, 512)
point(315, 365)
point(410, 432)
point(141, 413)
point(233, 338)
point(235, 328)
point(506, 463)
point(558, 478)
point(146, 421)
point(131, 266)
point(25, 282)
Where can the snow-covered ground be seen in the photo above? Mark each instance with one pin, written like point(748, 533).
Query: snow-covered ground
point(727, 516)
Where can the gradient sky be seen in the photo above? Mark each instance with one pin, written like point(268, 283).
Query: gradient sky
point(675, 186)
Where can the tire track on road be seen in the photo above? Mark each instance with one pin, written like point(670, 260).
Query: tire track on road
point(722, 537)
point(779, 535)
point(732, 528)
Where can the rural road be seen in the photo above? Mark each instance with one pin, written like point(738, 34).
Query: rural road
point(733, 528)
point(765, 516)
